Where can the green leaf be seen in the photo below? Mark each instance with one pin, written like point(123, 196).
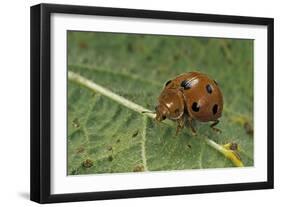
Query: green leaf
point(104, 136)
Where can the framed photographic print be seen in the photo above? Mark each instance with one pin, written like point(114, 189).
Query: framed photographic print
point(132, 103)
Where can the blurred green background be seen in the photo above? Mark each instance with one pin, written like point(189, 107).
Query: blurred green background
point(105, 137)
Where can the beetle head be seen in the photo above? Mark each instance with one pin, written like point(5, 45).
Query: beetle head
point(162, 112)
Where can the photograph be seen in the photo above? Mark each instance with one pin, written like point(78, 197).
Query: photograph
point(152, 102)
point(130, 103)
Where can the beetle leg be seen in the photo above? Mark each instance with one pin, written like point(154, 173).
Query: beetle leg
point(191, 126)
point(180, 124)
point(213, 126)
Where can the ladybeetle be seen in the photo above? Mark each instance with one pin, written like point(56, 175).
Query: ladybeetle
point(201, 95)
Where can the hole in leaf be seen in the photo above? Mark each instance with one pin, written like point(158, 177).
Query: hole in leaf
point(110, 158)
point(135, 133)
point(138, 168)
point(87, 163)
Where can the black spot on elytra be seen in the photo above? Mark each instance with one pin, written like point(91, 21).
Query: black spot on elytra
point(209, 88)
point(215, 109)
point(168, 82)
point(186, 84)
point(195, 107)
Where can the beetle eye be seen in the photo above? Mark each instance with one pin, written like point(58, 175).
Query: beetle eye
point(168, 82)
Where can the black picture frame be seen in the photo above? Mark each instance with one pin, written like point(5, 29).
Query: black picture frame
point(41, 99)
